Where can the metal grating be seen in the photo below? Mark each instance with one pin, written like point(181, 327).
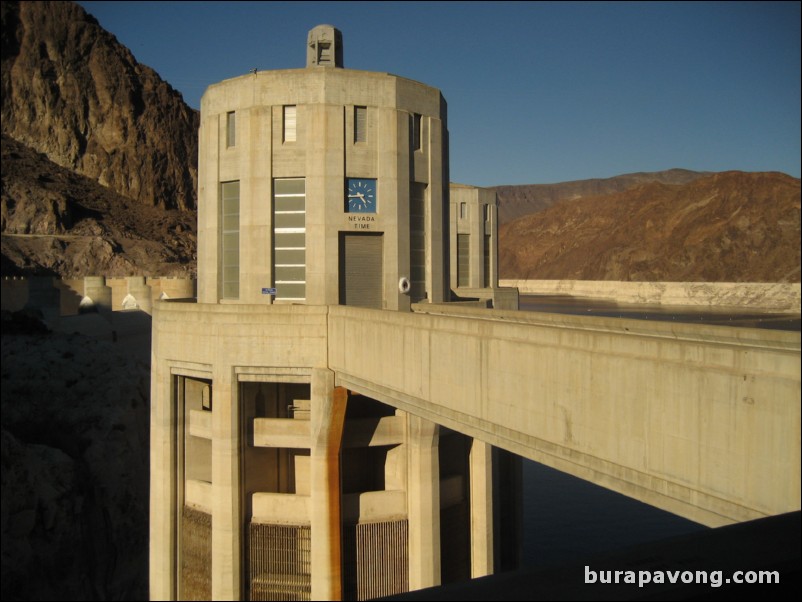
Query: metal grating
point(463, 260)
point(417, 241)
point(382, 559)
point(279, 562)
point(361, 270)
point(196, 555)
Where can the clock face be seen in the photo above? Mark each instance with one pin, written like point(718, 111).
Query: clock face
point(360, 195)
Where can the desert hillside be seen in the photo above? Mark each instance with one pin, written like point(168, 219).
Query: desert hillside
point(525, 199)
point(58, 222)
point(725, 227)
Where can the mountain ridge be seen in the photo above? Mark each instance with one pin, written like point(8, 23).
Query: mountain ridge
point(725, 227)
point(523, 199)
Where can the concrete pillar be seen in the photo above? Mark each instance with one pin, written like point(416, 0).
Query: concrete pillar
point(163, 477)
point(327, 419)
point(423, 503)
point(226, 514)
point(481, 484)
point(95, 289)
point(141, 292)
point(44, 297)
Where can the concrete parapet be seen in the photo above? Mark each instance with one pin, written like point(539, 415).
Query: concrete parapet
point(770, 296)
point(14, 293)
point(79, 295)
point(140, 295)
point(97, 295)
point(500, 298)
point(172, 288)
point(71, 292)
point(42, 296)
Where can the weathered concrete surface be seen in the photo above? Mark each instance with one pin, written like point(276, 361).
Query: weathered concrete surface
point(780, 296)
point(701, 421)
point(225, 344)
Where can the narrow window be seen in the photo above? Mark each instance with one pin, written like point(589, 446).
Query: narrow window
point(360, 124)
point(324, 53)
point(463, 260)
point(230, 242)
point(231, 128)
point(463, 210)
point(486, 277)
point(290, 122)
point(416, 138)
point(289, 238)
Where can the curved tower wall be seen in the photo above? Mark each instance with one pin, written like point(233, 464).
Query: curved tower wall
point(326, 127)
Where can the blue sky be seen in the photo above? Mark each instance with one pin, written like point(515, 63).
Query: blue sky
point(537, 92)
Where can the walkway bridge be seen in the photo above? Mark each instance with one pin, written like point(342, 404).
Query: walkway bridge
point(701, 421)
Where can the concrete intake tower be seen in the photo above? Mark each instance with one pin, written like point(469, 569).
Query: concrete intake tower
point(319, 187)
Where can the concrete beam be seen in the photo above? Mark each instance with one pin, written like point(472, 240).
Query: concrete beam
point(701, 421)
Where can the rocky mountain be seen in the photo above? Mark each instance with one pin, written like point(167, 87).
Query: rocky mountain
point(75, 94)
point(58, 222)
point(517, 201)
point(725, 227)
point(99, 154)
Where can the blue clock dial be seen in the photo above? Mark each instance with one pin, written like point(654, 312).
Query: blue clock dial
point(360, 195)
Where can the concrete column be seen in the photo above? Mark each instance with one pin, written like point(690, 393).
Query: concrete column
point(163, 479)
point(437, 239)
point(208, 199)
point(476, 254)
point(95, 288)
point(141, 292)
point(44, 297)
point(481, 483)
point(226, 514)
point(327, 418)
point(423, 505)
point(493, 225)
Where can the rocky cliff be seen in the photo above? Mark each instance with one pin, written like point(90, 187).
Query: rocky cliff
point(726, 227)
point(72, 92)
point(525, 199)
point(58, 222)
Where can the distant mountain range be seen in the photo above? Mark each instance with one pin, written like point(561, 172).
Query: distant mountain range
point(723, 227)
point(525, 199)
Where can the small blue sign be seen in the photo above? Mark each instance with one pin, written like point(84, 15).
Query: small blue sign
point(268, 291)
